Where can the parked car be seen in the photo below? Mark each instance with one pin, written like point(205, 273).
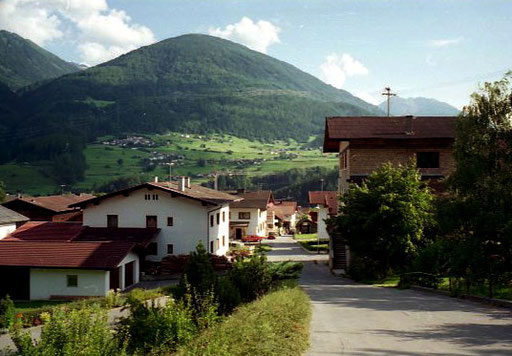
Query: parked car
point(271, 235)
point(252, 238)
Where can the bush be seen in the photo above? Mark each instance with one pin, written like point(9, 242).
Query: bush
point(198, 273)
point(363, 268)
point(429, 259)
point(251, 277)
point(68, 333)
point(7, 312)
point(285, 270)
point(228, 295)
point(154, 329)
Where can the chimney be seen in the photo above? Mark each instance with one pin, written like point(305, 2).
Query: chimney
point(408, 120)
point(183, 183)
point(156, 179)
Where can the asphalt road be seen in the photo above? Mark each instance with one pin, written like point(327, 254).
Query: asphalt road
point(355, 319)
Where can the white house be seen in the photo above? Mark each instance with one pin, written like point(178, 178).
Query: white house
point(285, 212)
point(9, 221)
point(249, 216)
point(185, 214)
point(327, 204)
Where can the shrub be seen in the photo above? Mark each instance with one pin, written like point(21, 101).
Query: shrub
point(228, 295)
point(154, 329)
point(361, 268)
point(198, 273)
point(251, 277)
point(285, 270)
point(77, 332)
point(7, 312)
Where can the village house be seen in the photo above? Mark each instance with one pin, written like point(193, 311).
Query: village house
point(326, 204)
point(365, 143)
point(10, 221)
point(186, 215)
point(49, 208)
point(285, 215)
point(60, 260)
point(249, 217)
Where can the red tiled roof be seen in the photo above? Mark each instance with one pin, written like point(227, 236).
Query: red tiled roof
point(75, 215)
point(55, 203)
point(328, 199)
point(87, 255)
point(196, 192)
point(45, 231)
point(378, 127)
point(260, 199)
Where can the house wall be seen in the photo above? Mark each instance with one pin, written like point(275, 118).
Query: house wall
point(6, 230)
point(219, 233)
point(45, 282)
point(257, 222)
point(364, 161)
point(191, 222)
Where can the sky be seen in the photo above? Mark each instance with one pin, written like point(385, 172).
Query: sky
point(430, 48)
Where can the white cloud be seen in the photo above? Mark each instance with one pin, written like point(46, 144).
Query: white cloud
point(369, 98)
point(255, 35)
point(103, 33)
point(445, 42)
point(336, 68)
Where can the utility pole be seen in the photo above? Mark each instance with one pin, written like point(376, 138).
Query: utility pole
point(322, 181)
point(389, 94)
point(170, 171)
point(62, 189)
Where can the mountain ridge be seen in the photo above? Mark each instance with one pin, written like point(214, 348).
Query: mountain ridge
point(419, 106)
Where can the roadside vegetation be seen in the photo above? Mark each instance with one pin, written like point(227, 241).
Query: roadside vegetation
point(201, 307)
point(460, 240)
point(314, 245)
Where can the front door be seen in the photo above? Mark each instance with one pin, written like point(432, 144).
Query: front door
point(15, 282)
point(238, 233)
point(114, 278)
point(129, 272)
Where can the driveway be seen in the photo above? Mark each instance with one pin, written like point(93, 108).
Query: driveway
point(354, 319)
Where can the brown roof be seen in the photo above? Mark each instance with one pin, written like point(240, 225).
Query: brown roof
point(260, 200)
point(8, 216)
point(347, 128)
point(196, 192)
point(328, 199)
point(72, 232)
point(284, 209)
point(87, 255)
point(55, 203)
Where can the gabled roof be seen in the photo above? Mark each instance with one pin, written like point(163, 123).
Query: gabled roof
point(55, 254)
point(54, 203)
point(284, 209)
point(260, 200)
point(328, 199)
point(8, 216)
point(347, 128)
point(196, 192)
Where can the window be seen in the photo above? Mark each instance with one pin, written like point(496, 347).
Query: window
point(72, 280)
point(223, 240)
point(223, 216)
point(218, 218)
point(244, 215)
point(211, 246)
point(211, 220)
point(427, 159)
point(147, 197)
point(170, 249)
point(151, 221)
point(170, 221)
point(112, 221)
point(152, 249)
point(155, 196)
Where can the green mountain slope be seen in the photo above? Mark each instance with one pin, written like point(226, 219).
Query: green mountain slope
point(23, 62)
point(419, 106)
point(193, 83)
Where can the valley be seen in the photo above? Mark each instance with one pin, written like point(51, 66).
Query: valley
point(142, 157)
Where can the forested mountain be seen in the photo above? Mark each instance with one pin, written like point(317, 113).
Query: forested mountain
point(419, 106)
point(23, 62)
point(191, 83)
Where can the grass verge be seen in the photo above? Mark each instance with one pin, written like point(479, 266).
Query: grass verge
point(305, 236)
point(389, 282)
point(276, 324)
point(314, 246)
